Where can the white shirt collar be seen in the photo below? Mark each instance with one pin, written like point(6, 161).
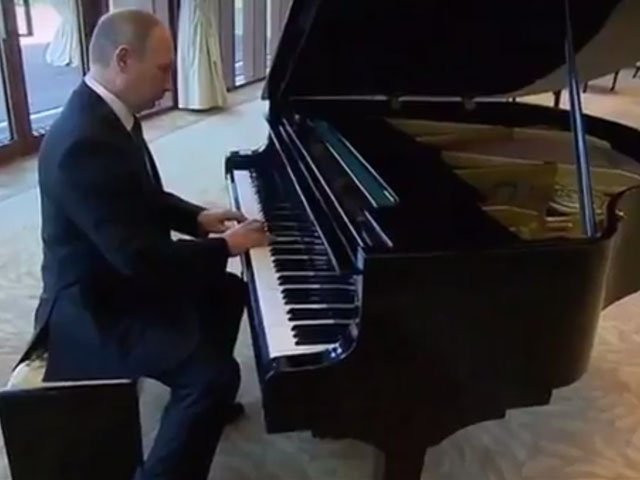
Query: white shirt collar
point(120, 109)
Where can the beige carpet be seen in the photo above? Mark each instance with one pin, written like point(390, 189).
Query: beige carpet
point(589, 432)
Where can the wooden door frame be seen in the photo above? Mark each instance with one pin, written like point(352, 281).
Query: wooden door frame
point(89, 12)
point(17, 104)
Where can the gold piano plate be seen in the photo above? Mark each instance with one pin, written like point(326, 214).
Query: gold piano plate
point(529, 186)
point(527, 175)
point(527, 224)
point(532, 225)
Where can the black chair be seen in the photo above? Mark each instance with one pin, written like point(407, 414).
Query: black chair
point(85, 430)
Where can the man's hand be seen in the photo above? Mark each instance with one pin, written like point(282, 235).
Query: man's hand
point(249, 234)
point(212, 221)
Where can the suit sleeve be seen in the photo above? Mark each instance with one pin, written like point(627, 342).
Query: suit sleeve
point(101, 192)
point(181, 215)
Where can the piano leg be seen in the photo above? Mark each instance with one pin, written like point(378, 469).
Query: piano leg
point(403, 462)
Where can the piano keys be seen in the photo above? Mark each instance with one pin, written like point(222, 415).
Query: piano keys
point(406, 293)
point(309, 304)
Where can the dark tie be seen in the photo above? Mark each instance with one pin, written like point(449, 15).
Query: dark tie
point(138, 137)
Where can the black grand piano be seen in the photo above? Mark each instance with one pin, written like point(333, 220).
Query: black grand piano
point(440, 254)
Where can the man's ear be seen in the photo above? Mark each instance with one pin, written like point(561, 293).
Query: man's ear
point(123, 57)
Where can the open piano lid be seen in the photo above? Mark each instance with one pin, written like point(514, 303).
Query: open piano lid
point(447, 48)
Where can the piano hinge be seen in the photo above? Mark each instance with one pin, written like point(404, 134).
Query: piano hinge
point(395, 103)
point(469, 103)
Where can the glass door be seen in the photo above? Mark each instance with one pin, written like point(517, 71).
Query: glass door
point(249, 34)
point(242, 26)
point(250, 41)
point(238, 44)
point(51, 51)
point(15, 136)
point(7, 136)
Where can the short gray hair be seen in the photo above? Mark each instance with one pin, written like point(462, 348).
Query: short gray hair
point(128, 26)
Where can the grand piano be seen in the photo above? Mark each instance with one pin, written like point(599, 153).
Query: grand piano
point(440, 254)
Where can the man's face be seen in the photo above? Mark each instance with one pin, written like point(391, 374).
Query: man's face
point(147, 77)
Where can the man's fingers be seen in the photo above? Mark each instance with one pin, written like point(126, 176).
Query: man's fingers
point(254, 224)
point(268, 239)
point(234, 215)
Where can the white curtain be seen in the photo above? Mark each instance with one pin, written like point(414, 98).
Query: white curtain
point(199, 65)
point(64, 49)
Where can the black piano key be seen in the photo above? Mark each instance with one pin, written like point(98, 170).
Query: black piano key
point(284, 217)
point(312, 321)
point(290, 231)
point(318, 334)
point(302, 259)
point(320, 279)
point(285, 225)
point(329, 290)
point(281, 206)
point(320, 328)
point(319, 300)
point(314, 296)
point(302, 265)
point(293, 232)
point(298, 250)
point(295, 240)
point(320, 296)
point(316, 339)
point(303, 235)
point(316, 313)
point(314, 257)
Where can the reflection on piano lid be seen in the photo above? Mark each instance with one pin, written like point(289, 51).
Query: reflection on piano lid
point(429, 269)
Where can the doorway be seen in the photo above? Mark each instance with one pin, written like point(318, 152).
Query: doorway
point(43, 57)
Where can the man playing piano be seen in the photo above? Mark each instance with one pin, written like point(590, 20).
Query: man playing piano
point(120, 297)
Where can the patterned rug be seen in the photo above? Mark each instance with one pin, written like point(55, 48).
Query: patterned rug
point(589, 432)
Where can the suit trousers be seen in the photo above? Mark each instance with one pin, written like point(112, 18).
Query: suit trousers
point(203, 386)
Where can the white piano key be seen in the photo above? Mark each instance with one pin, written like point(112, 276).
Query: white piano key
point(249, 204)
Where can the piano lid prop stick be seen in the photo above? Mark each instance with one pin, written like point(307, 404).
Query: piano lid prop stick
point(577, 127)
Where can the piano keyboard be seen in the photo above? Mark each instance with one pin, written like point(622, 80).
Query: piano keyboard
point(305, 305)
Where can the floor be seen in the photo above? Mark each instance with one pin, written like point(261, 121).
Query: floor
point(591, 431)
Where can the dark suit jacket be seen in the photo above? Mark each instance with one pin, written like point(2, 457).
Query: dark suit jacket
point(118, 293)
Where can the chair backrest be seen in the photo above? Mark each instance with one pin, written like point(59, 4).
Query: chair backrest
point(72, 430)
